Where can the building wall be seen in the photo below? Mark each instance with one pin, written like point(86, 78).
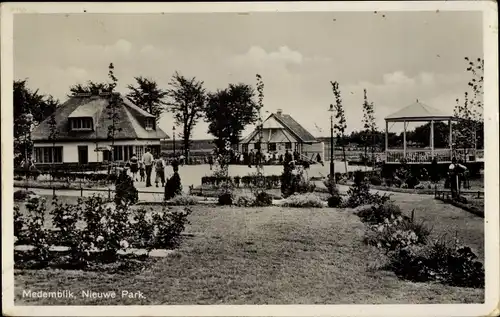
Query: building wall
point(312, 150)
point(70, 149)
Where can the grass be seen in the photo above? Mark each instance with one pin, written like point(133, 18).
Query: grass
point(269, 255)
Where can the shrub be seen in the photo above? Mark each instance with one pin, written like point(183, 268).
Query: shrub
point(183, 200)
point(375, 180)
point(397, 232)
point(263, 199)
point(377, 199)
point(237, 180)
point(303, 201)
point(456, 266)
point(379, 213)
point(225, 199)
point(143, 229)
point(244, 200)
point(412, 181)
point(18, 222)
point(168, 226)
point(359, 192)
point(125, 191)
point(22, 194)
point(174, 185)
point(335, 201)
point(36, 233)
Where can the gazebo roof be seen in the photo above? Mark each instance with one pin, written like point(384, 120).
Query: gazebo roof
point(418, 112)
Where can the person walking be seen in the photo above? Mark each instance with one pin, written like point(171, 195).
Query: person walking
point(134, 166)
point(160, 171)
point(142, 172)
point(147, 160)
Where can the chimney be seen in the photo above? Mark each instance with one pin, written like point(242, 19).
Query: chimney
point(279, 112)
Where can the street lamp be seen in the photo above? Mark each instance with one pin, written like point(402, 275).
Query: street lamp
point(332, 166)
point(173, 134)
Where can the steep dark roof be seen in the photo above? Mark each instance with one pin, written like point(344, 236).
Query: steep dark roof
point(131, 121)
point(294, 127)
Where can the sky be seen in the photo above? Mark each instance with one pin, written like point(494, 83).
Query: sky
point(397, 57)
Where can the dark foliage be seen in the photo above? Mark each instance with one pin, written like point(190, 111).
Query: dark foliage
point(125, 191)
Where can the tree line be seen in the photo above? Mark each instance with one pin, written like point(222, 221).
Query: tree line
point(229, 110)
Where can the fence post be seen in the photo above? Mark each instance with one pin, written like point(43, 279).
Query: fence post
point(109, 193)
point(81, 191)
point(478, 194)
point(53, 191)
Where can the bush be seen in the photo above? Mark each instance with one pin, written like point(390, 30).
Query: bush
point(308, 200)
point(18, 222)
point(335, 201)
point(168, 226)
point(456, 266)
point(225, 199)
point(263, 199)
point(359, 192)
point(125, 191)
point(375, 180)
point(396, 233)
point(183, 200)
point(245, 200)
point(379, 213)
point(22, 194)
point(173, 186)
point(36, 233)
point(412, 181)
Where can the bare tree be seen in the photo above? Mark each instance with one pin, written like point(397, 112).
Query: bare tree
point(369, 127)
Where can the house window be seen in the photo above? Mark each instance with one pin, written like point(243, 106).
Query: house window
point(271, 147)
point(139, 151)
point(244, 148)
point(81, 124)
point(118, 153)
point(288, 146)
point(48, 154)
point(149, 124)
point(257, 146)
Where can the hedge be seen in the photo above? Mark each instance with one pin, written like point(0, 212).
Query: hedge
point(70, 176)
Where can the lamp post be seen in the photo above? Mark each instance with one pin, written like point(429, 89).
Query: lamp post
point(332, 166)
point(173, 135)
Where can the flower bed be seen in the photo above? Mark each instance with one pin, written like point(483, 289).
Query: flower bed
point(92, 229)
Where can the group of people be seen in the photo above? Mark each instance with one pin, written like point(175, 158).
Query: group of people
point(457, 174)
point(142, 170)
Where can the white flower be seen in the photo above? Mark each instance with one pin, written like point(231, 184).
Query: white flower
point(124, 244)
point(100, 238)
point(15, 239)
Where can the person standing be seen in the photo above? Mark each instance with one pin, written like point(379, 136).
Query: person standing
point(147, 159)
point(134, 166)
point(160, 171)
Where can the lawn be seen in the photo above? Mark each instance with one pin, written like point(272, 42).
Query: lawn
point(270, 255)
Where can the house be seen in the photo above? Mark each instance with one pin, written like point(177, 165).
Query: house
point(81, 132)
point(280, 132)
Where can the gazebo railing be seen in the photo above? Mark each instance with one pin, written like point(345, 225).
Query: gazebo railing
point(425, 155)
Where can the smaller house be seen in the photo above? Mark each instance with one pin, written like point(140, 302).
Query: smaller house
point(81, 132)
point(280, 132)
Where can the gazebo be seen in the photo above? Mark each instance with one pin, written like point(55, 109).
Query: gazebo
point(419, 112)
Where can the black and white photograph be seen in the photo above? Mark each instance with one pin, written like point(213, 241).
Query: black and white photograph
point(218, 154)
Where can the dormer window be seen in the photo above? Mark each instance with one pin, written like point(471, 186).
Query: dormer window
point(81, 124)
point(150, 124)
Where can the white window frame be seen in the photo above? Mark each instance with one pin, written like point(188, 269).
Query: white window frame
point(46, 154)
point(81, 124)
point(149, 124)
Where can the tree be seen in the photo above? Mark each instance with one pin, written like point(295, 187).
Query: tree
point(341, 125)
point(228, 111)
point(30, 108)
point(186, 101)
point(112, 111)
point(148, 96)
point(91, 87)
point(369, 125)
point(468, 131)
